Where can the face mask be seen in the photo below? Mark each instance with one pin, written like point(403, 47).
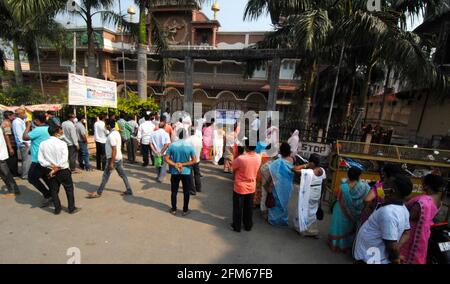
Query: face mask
point(75, 120)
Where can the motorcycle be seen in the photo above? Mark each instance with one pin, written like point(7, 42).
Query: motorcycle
point(439, 244)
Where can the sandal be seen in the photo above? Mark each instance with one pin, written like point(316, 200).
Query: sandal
point(93, 195)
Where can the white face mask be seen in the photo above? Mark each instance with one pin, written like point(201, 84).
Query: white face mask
point(75, 120)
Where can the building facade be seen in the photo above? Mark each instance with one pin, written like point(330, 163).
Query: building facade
point(217, 84)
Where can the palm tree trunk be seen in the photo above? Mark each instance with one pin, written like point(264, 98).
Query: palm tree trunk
point(17, 65)
point(142, 53)
point(365, 92)
point(92, 64)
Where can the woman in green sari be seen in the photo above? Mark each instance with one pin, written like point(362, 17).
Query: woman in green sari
point(347, 212)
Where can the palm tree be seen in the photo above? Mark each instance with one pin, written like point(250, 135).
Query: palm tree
point(318, 29)
point(25, 32)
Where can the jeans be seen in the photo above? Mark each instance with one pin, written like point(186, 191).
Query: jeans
point(131, 149)
point(36, 173)
point(146, 153)
point(100, 156)
point(64, 178)
point(83, 156)
point(197, 182)
point(8, 178)
point(73, 157)
point(242, 207)
point(26, 161)
point(118, 165)
point(162, 171)
point(12, 163)
point(175, 185)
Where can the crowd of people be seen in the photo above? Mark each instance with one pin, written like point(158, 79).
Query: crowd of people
point(285, 188)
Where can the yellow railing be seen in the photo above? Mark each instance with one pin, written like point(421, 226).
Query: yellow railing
point(394, 154)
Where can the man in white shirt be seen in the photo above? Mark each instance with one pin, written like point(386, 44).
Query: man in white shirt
point(100, 134)
point(54, 156)
point(71, 138)
point(114, 160)
point(380, 238)
point(5, 173)
point(144, 132)
point(160, 141)
point(196, 141)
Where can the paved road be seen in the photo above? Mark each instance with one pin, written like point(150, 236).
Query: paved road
point(139, 229)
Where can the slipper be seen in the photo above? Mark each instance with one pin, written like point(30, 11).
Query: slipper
point(93, 196)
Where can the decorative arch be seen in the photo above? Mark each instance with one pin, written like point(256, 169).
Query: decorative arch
point(228, 100)
point(172, 99)
point(256, 94)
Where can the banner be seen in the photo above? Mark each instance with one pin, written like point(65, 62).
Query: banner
point(88, 91)
point(308, 148)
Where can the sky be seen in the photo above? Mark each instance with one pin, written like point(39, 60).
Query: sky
point(230, 16)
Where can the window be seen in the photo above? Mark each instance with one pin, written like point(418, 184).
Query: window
point(65, 60)
point(129, 66)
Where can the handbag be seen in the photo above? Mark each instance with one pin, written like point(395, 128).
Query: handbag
point(221, 161)
point(270, 200)
point(319, 213)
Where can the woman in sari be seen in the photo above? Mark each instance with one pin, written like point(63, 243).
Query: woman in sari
point(376, 194)
point(261, 177)
point(280, 184)
point(294, 141)
point(422, 210)
point(347, 212)
point(207, 141)
point(230, 149)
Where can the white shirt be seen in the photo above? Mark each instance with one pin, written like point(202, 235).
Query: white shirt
point(135, 126)
point(197, 143)
point(159, 138)
point(4, 155)
point(142, 120)
point(53, 151)
point(114, 139)
point(144, 132)
point(100, 132)
point(387, 223)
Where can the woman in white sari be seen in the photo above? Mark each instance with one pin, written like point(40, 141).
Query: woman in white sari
point(312, 177)
point(294, 141)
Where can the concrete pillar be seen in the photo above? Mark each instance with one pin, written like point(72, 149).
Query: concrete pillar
point(274, 83)
point(188, 85)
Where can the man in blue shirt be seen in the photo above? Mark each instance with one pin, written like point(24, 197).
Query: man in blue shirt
point(18, 127)
point(180, 156)
point(38, 135)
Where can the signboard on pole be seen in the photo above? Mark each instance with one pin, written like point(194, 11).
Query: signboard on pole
point(88, 91)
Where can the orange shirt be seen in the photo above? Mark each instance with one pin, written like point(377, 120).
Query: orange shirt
point(245, 169)
point(167, 128)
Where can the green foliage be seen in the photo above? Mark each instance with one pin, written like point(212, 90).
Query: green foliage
point(132, 106)
point(21, 95)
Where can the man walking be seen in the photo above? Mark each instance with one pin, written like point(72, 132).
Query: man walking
point(5, 173)
point(23, 147)
point(71, 138)
point(160, 141)
point(83, 152)
point(144, 132)
point(100, 134)
point(10, 142)
point(114, 160)
point(37, 172)
point(245, 169)
point(180, 156)
point(196, 141)
point(54, 156)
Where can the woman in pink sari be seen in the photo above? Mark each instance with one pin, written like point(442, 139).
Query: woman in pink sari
point(422, 210)
point(207, 141)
